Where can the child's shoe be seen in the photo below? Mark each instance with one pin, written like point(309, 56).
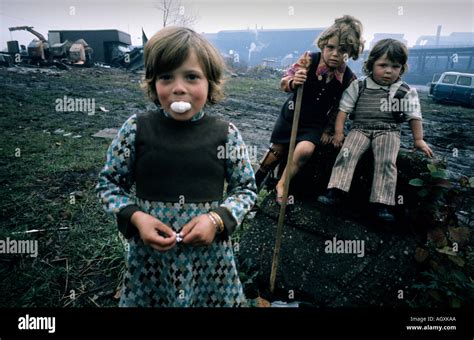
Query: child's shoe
point(383, 213)
point(334, 196)
point(260, 178)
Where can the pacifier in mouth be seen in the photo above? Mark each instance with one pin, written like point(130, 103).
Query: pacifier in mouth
point(180, 107)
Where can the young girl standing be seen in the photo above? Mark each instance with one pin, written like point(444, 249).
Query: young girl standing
point(376, 108)
point(178, 224)
point(325, 75)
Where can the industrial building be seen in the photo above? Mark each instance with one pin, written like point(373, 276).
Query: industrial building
point(107, 44)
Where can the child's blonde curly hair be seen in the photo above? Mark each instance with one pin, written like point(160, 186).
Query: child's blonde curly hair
point(169, 48)
point(349, 31)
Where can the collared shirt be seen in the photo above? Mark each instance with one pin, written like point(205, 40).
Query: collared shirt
point(322, 70)
point(350, 95)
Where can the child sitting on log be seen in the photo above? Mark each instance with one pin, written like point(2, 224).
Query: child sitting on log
point(378, 105)
point(325, 76)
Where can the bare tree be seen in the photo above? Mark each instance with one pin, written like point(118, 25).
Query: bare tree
point(174, 13)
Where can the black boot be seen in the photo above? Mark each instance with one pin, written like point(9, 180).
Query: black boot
point(383, 213)
point(260, 177)
point(266, 167)
point(333, 196)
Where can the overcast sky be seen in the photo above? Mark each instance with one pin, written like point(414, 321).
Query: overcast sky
point(411, 17)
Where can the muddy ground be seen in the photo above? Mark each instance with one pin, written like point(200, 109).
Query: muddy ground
point(49, 163)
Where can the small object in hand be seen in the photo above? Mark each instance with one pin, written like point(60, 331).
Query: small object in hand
point(180, 107)
point(179, 238)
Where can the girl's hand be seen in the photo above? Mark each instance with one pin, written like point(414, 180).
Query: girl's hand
point(149, 226)
point(200, 231)
point(326, 138)
point(421, 145)
point(337, 140)
point(299, 78)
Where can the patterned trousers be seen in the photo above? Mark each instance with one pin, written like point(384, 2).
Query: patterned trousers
point(385, 146)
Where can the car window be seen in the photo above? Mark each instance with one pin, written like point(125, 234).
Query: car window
point(465, 81)
point(449, 79)
point(436, 77)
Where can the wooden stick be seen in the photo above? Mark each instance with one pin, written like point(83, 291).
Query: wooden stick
point(281, 218)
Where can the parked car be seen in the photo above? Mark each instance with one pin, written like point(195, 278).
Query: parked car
point(453, 87)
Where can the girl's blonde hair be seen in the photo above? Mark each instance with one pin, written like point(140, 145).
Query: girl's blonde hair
point(396, 52)
point(349, 31)
point(169, 48)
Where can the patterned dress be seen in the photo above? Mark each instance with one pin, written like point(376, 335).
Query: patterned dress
point(184, 276)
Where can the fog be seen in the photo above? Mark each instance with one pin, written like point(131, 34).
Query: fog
point(412, 18)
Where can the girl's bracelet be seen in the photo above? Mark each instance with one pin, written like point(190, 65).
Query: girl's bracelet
point(212, 219)
point(217, 221)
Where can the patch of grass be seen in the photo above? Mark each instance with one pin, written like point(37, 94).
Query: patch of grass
point(246, 86)
point(80, 255)
point(79, 266)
